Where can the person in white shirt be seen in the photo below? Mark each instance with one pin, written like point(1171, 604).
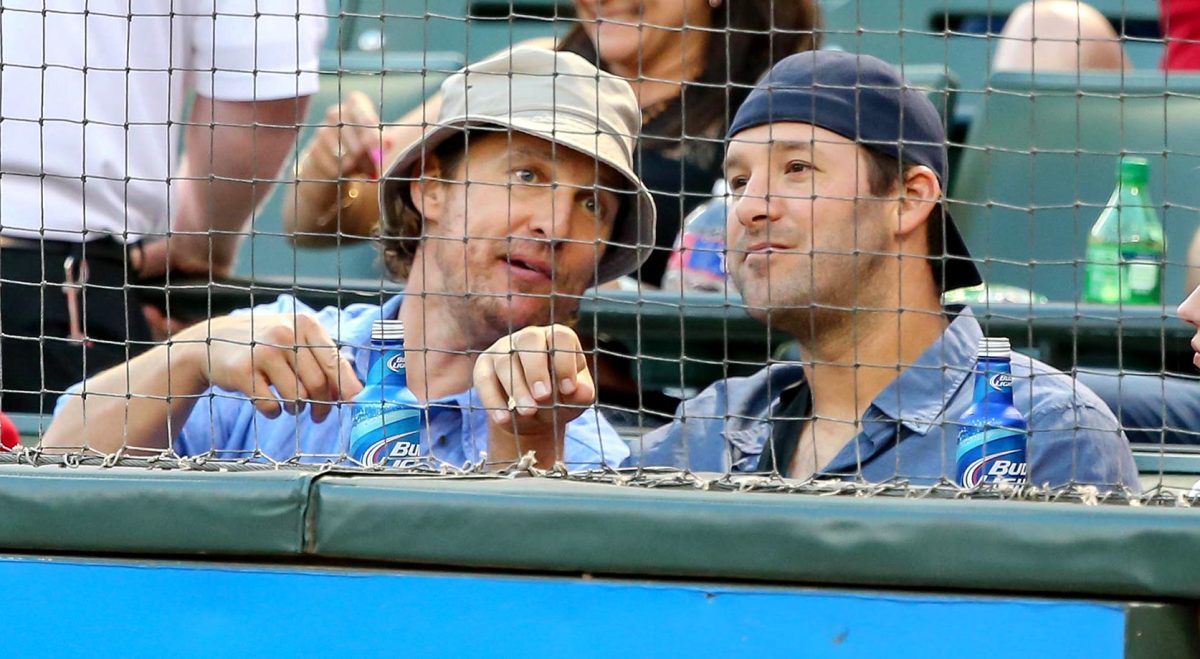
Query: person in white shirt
point(94, 189)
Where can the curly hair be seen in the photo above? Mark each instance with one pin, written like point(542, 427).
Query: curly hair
point(398, 243)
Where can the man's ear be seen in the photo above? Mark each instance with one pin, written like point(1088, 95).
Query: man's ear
point(427, 189)
point(920, 196)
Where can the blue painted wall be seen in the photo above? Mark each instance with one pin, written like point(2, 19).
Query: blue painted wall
point(77, 608)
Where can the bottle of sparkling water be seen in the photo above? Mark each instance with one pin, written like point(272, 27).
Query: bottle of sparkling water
point(993, 435)
point(385, 427)
point(697, 262)
point(1126, 249)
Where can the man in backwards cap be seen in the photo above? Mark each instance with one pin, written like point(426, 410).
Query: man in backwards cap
point(836, 235)
point(516, 200)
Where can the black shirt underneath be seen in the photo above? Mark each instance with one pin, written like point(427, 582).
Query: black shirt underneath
point(792, 412)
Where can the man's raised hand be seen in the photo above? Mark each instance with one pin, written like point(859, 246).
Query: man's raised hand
point(252, 353)
point(533, 383)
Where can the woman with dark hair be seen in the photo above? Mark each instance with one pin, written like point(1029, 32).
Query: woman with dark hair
point(691, 63)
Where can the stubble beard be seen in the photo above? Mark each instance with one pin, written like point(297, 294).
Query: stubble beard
point(821, 307)
point(483, 316)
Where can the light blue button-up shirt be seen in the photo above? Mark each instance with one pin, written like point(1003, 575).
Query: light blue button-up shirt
point(226, 425)
point(909, 432)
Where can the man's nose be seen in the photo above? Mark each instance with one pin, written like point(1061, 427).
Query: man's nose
point(754, 204)
point(551, 216)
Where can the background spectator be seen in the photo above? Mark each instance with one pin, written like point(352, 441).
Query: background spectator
point(94, 95)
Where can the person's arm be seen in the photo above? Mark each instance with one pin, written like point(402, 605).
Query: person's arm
point(336, 196)
point(144, 403)
point(533, 383)
point(337, 176)
point(233, 151)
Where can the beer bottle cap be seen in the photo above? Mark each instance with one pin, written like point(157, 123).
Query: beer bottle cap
point(994, 347)
point(387, 330)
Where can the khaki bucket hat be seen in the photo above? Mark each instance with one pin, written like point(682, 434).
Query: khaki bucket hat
point(559, 97)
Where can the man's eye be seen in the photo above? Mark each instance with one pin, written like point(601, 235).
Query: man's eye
point(797, 166)
point(736, 183)
point(592, 204)
point(525, 175)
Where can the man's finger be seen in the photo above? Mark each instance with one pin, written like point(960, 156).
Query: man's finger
point(512, 379)
point(533, 360)
point(491, 393)
point(314, 383)
point(281, 375)
point(568, 357)
point(585, 391)
point(346, 380)
point(260, 394)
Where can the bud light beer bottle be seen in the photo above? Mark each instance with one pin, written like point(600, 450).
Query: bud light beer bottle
point(385, 427)
point(1126, 249)
point(697, 263)
point(991, 443)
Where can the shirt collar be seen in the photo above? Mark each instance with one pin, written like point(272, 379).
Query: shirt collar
point(356, 337)
point(918, 397)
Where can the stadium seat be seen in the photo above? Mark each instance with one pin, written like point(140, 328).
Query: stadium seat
point(443, 25)
point(1040, 163)
point(916, 32)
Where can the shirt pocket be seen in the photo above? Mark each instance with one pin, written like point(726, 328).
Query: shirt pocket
point(746, 445)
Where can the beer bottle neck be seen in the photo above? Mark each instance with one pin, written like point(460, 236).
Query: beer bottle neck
point(387, 364)
point(993, 381)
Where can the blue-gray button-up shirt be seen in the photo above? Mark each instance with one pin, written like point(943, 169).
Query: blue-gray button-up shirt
point(226, 425)
point(910, 430)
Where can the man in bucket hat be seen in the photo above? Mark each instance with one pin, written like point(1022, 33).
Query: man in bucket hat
point(518, 197)
point(837, 236)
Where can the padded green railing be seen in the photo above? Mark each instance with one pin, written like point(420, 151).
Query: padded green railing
point(543, 525)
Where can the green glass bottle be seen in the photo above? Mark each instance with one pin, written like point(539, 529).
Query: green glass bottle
point(1126, 249)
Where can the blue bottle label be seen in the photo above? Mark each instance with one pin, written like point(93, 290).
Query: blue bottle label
point(386, 421)
point(387, 366)
point(992, 455)
point(1000, 382)
point(705, 256)
point(387, 434)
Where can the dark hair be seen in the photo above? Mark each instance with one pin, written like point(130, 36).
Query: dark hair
point(885, 173)
point(747, 38)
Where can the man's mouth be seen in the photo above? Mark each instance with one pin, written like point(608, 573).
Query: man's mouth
point(529, 268)
point(765, 248)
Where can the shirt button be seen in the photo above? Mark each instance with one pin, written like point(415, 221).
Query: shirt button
point(441, 440)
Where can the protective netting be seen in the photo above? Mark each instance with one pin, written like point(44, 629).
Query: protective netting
point(802, 319)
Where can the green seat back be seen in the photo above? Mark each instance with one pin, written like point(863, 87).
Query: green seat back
point(907, 32)
point(1039, 165)
point(939, 84)
point(472, 28)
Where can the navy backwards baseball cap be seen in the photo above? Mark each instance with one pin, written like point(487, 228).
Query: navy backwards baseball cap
point(864, 99)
